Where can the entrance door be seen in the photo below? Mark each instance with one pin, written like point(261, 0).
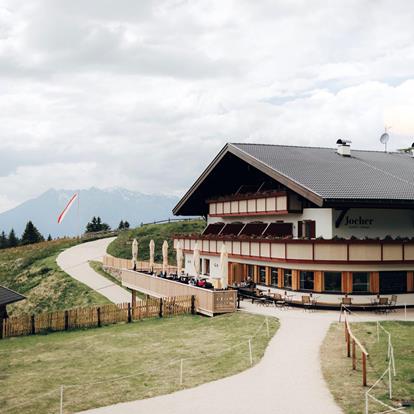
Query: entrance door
point(393, 282)
point(237, 273)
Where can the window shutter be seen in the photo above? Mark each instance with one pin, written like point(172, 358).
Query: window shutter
point(300, 228)
point(312, 229)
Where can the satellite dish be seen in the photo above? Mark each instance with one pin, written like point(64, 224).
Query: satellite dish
point(384, 138)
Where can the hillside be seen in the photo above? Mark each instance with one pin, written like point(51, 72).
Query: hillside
point(112, 205)
point(33, 272)
point(121, 247)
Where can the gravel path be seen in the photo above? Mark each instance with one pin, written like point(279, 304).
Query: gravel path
point(74, 261)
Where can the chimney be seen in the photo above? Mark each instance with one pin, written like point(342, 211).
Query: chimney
point(344, 147)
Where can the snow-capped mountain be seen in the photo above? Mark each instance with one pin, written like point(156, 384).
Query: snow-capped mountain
point(112, 205)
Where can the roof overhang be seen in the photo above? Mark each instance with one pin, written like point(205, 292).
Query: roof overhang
point(259, 165)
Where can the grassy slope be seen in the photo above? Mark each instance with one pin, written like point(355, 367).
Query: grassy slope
point(33, 272)
point(346, 384)
point(148, 352)
point(121, 247)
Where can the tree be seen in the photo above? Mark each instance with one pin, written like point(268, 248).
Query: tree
point(96, 225)
point(126, 225)
point(13, 240)
point(31, 234)
point(49, 238)
point(3, 240)
point(121, 225)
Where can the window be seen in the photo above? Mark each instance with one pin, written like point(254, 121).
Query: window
point(360, 282)
point(393, 282)
point(333, 281)
point(306, 280)
point(250, 272)
point(207, 267)
point(287, 278)
point(274, 276)
point(262, 275)
point(307, 229)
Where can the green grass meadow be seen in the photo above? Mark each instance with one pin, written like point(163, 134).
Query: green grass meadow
point(125, 362)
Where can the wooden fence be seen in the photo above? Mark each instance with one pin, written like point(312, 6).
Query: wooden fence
point(351, 343)
point(96, 316)
point(118, 263)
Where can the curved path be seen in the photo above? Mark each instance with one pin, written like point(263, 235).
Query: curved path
point(288, 379)
point(75, 262)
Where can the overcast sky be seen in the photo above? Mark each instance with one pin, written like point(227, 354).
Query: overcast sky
point(143, 94)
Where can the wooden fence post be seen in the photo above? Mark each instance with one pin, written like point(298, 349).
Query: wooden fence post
point(32, 324)
point(353, 355)
point(193, 304)
point(348, 345)
point(160, 313)
point(98, 311)
point(66, 320)
point(129, 313)
point(364, 369)
point(1, 327)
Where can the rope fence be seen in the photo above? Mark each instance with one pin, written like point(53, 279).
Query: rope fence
point(179, 376)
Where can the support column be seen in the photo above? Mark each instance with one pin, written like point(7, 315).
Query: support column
point(133, 298)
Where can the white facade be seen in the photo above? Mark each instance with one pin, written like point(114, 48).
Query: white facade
point(359, 223)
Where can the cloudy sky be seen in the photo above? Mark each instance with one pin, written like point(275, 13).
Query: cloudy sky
point(142, 94)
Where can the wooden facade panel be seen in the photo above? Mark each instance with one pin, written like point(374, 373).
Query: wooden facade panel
point(368, 252)
point(265, 250)
point(243, 206)
point(245, 248)
point(295, 280)
point(234, 207)
point(212, 208)
point(277, 250)
point(374, 282)
point(251, 206)
point(280, 274)
point(392, 252)
point(261, 204)
point(271, 204)
point(281, 203)
point(213, 246)
point(331, 252)
point(299, 251)
point(226, 207)
point(219, 208)
point(219, 246)
point(410, 281)
point(255, 249)
point(236, 247)
point(228, 247)
point(205, 247)
point(409, 252)
point(318, 282)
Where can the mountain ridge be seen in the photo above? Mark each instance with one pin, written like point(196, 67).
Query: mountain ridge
point(111, 204)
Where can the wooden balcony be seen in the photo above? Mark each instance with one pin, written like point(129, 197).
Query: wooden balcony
point(253, 205)
point(304, 251)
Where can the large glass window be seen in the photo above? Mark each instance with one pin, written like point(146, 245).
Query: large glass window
point(393, 282)
point(274, 276)
point(306, 280)
point(287, 278)
point(360, 282)
point(262, 275)
point(250, 272)
point(333, 281)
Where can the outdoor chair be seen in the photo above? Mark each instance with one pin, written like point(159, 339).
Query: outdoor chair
point(383, 305)
point(307, 303)
point(278, 300)
point(393, 303)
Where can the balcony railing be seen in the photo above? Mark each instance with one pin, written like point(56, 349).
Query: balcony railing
point(303, 250)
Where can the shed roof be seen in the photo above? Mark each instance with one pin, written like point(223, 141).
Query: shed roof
point(8, 296)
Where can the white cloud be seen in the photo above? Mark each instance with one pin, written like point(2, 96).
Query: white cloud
point(144, 94)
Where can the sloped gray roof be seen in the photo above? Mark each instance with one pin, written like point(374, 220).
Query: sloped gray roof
point(369, 175)
point(9, 296)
